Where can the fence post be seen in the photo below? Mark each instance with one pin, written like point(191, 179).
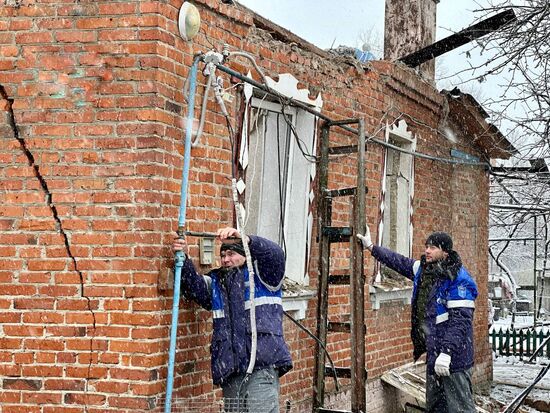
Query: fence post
point(528, 337)
point(501, 348)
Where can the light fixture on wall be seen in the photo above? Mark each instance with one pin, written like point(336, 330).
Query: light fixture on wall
point(189, 21)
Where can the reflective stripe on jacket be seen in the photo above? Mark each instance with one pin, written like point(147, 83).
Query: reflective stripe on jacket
point(449, 310)
point(227, 294)
point(449, 320)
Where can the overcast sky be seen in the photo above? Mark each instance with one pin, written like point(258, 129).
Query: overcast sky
point(323, 21)
point(326, 23)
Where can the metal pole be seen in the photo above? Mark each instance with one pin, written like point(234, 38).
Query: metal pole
point(179, 256)
point(535, 273)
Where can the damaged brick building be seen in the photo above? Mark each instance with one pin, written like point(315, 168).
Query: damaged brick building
point(93, 115)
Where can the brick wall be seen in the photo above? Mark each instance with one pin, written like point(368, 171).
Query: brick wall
point(89, 190)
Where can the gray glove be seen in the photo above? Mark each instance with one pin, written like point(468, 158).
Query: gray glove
point(365, 239)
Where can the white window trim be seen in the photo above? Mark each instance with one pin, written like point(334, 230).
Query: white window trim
point(296, 300)
point(379, 295)
point(379, 292)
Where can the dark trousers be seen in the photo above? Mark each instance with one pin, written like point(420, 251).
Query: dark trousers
point(451, 394)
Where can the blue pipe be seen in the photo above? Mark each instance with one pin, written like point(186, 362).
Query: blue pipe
point(180, 257)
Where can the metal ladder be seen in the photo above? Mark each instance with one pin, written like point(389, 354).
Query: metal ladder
point(327, 236)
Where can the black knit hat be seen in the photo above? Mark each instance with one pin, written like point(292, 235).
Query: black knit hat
point(441, 240)
point(237, 247)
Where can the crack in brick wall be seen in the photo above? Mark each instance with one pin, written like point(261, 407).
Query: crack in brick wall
point(59, 225)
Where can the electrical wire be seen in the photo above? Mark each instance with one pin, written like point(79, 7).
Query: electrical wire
point(251, 274)
point(313, 336)
point(284, 104)
point(249, 133)
point(305, 107)
point(280, 186)
point(308, 156)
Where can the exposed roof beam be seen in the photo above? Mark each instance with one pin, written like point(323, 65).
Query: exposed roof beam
point(458, 39)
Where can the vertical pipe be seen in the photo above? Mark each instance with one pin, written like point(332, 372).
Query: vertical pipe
point(180, 257)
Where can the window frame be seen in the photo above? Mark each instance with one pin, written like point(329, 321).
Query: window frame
point(298, 250)
point(398, 135)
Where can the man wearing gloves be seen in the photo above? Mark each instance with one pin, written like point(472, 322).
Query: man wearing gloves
point(442, 314)
point(226, 292)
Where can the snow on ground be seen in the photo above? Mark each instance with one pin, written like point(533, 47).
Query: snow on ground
point(511, 370)
point(521, 321)
point(512, 375)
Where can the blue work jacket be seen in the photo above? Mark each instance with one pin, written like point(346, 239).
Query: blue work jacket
point(449, 310)
point(227, 295)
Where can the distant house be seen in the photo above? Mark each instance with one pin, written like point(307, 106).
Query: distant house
point(93, 117)
point(518, 204)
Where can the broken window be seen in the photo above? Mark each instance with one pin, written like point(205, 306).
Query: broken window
point(278, 176)
point(396, 231)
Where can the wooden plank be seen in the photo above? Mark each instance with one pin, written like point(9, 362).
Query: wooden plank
point(405, 379)
point(357, 299)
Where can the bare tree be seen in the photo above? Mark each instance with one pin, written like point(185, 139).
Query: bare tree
point(370, 40)
point(519, 56)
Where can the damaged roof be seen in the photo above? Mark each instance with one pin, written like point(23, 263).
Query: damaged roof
point(469, 116)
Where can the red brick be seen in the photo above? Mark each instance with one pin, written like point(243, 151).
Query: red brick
point(58, 384)
point(27, 38)
point(21, 384)
point(77, 36)
point(86, 399)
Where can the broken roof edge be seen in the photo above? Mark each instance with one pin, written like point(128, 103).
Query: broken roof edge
point(406, 76)
point(285, 35)
point(470, 116)
point(416, 88)
point(242, 14)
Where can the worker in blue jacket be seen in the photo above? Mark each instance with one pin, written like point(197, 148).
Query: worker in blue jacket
point(442, 319)
point(225, 292)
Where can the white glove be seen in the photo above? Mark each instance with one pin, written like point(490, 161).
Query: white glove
point(365, 239)
point(442, 365)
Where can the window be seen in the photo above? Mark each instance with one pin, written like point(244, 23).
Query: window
point(395, 230)
point(277, 176)
point(270, 170)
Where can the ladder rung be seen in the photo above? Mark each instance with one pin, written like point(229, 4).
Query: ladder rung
point(339, 327)
point(341, 150)
point(333, 193)
point(341, 372)
point(337, 234)
point(342, 327)
point(341, 122)
point(340, 279)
